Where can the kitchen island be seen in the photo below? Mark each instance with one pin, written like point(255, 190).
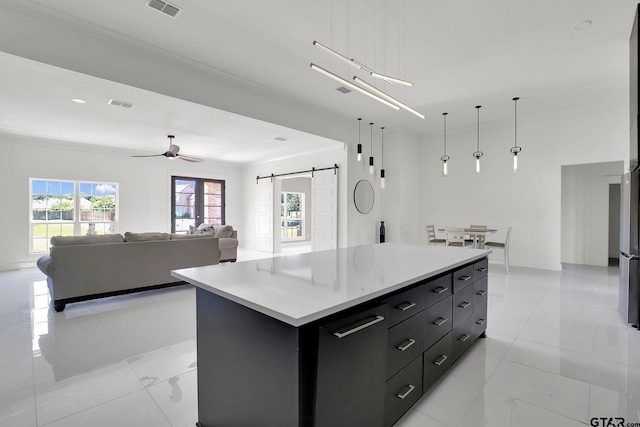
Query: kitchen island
point(346, 337)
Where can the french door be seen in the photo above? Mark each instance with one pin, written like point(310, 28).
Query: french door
point(195, 201)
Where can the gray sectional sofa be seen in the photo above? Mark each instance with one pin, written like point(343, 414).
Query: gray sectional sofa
point(86, 267)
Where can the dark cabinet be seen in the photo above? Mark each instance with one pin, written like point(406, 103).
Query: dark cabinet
point(436, 361)
point(350, 381)
point(404, 343)
point(438, 322)
point(402, 391)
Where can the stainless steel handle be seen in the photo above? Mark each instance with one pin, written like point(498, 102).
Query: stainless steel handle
point(409, 389)
point(440, 290)
point(404, 346)
point(406, 305)
point(441, 360)
point(482, 269)
point(464, 278)
point(441, 321)
point(464, 304)
point(359, 327)
point(481, 293)
point(481, 322)
point(464, 337)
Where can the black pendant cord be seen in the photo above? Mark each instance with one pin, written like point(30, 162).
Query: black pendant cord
point(382, 147)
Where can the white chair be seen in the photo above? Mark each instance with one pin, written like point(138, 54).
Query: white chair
point(431, 237)
point(454, 236)
point(481, 238)
point(504, 246)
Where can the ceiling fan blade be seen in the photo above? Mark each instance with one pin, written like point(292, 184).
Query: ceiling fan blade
point(189, 159)
point(152, 155)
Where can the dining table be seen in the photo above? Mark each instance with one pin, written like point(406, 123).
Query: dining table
point(475, 234)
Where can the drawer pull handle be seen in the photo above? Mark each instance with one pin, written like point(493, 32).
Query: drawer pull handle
point(408, 344)
point(377, 319)
point(464, 337)
point(406, 306)
point(441, 321)
point(410, 388)
point(482, 269)
point(441, 360)
point(440, 290)
point(481, 322)
point(481, 293)
point(464, 304)
point(464, 278)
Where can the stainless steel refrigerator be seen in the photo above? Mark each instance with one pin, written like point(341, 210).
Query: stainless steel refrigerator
point(629, 295)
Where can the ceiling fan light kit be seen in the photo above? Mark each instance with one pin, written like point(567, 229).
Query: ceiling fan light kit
point(173, 153)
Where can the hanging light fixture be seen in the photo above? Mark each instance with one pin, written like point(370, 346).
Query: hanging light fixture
point(382, 183)
point(359, 144)
point(478, 153)
point(371, 168)
point(445, 158)
point(515, 149)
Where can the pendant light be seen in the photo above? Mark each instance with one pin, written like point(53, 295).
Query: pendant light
point(371, 168)
point(382, 183)
point(478, 153)
point(515, 149)
point(445, 158)
point(359, 144)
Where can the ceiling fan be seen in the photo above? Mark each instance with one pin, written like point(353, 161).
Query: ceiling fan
point(172, 153)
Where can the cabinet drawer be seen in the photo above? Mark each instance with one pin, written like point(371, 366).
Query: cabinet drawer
point(436, 362)
point(481, 287)
point(404, 343)
point(462, 337)
point(462, 278)
point(463, 304)
point(438, 321)
point(437, 290)
point(480, 269)
point(405, 304)
point(479, 320)
point(402, 391)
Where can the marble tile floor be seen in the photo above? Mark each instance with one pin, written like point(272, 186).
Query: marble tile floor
point(557, 354)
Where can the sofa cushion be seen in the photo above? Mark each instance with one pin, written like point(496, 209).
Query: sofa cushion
point(222, 231)
point(44, 263)
point(205, 228)
point(86, 240)
point(145, 237)
point(180, 236)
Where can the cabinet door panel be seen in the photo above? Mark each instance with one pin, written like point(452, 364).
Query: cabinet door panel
point(463, 305)
point(481, 287)
point(462, 278)
point(350, 381)
point(462, 337)
point(404, 343)
point(436, 290)
point(406, 304)
point(402, 391)
point(479, 321)
point(436, 362)
point(480, 269)
point(438, 321)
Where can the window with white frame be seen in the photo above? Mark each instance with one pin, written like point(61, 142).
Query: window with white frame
point(70, 208)
point(292, 216)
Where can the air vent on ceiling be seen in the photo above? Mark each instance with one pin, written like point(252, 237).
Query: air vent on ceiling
point(280, 138)
point(123, 104)
point(164, 7)
point(343, 89)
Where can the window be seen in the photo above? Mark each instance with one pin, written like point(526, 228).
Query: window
point(70, 208)
point(291, 216)
point(196, 201)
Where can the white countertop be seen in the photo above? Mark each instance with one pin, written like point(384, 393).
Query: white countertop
point(299, 289)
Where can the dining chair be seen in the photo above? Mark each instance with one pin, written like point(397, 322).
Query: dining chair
point(480, 238)
point(431, 236)
point(454, 236)
point(504, 246)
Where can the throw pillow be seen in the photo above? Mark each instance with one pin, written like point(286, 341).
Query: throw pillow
point(205, 228)
point(223, 231)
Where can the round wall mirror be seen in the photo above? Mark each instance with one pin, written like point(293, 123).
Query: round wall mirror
point(363, 196)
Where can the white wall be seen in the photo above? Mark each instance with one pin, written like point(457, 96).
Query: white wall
point(529, 200)
point(585, 211)
point(144, 196)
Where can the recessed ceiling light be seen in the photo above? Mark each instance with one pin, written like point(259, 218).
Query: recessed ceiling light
point(79, 101)
point(280, 138)
point(582, 25)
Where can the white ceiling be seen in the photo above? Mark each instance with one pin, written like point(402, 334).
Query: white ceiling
point(459, 53)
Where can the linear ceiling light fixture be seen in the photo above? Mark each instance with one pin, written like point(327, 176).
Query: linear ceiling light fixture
point(389, 98)
point(361, 66)
point(478, 153)
point(353, 86)
point(445, 158)
point(515, 149)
